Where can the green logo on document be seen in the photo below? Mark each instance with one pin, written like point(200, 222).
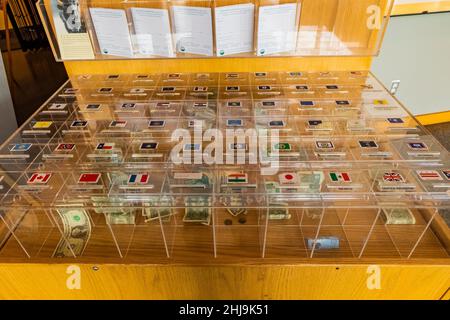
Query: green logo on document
point(262, 51)
point(182, 49)
point(221, 52)
point(105, 51)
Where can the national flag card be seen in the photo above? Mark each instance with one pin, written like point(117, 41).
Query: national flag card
point(395, 120)
point(342, 103)
point(237, 178)
point(39, 178)
point(268, 104)
point(57, 106)
point(20, 147)
point(70, 90)
point(128, 106)
point(65, 147)
point(84, 77)
point(314, 123)
point(260, 74)
point(168, 89)
point(288, 178)
point(89, 178)
point(340, 177)
point(92, 106)
point(192, 147)
point(200, 105)
point(105, 90)
point(137, 90)
point(380, 102)
point(142, 76)
point(417, 146)
point(332, 87)
point(195, 123)
point(79, 124)
point(282, 146)
point(234, 104)
point(429, 175)
point(264, 88)
point(156, 123)
point(301, 87)
point(105, 146)
point(276, 123)
point(118, 124)
point(138, 178)
point(174, 75)
point(446, 174)
point(42, 124)
point(368, 144)
point(232, 75)
point(113, 76)
point(148, 146)
point(200, 89)
point(295, 74)
point(232, 88)
point(393, 177)
point(163, 104)
point(306, 103)
point(323, 144)
point(235, 122)
point(238, 146)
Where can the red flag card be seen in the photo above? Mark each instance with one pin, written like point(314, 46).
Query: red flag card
point(89, 178)
point(39, 178)
point(429, 175)
point(65, 147)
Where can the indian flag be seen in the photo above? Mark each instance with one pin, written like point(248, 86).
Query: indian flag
point(237, 178)
point(340, 177)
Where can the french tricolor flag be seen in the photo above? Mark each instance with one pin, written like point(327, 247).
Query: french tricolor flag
point(141, 178)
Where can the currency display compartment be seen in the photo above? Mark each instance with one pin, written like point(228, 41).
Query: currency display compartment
point(155, 29)
point(152, 183)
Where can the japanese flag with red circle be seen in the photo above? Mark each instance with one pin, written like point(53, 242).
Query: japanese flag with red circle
point(288, 178)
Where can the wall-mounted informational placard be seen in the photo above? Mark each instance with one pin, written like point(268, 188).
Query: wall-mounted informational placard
point(147, 29)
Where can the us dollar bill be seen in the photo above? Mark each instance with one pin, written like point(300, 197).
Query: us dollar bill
point(76, 232)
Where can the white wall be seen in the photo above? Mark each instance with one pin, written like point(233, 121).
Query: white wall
point(416, 51)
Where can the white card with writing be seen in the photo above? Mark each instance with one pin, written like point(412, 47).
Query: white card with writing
point(193, 30)
point(111, 28)
point(234, 29)
point(152, 31)
point(277, 30)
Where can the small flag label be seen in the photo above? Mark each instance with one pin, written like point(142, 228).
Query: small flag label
point(89, 178)
point(42, 124)
point(340, 177)
point(141, 178)
point(148, 146)
point(39, 178)
point(105, 146)
point(118, 124)
point(20, 147)
point(65, 147)
point(288, 178)
point(429, 175)
point(393, 177)
point(237, 178)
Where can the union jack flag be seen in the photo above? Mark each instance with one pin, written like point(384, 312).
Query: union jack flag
point(393, 177)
